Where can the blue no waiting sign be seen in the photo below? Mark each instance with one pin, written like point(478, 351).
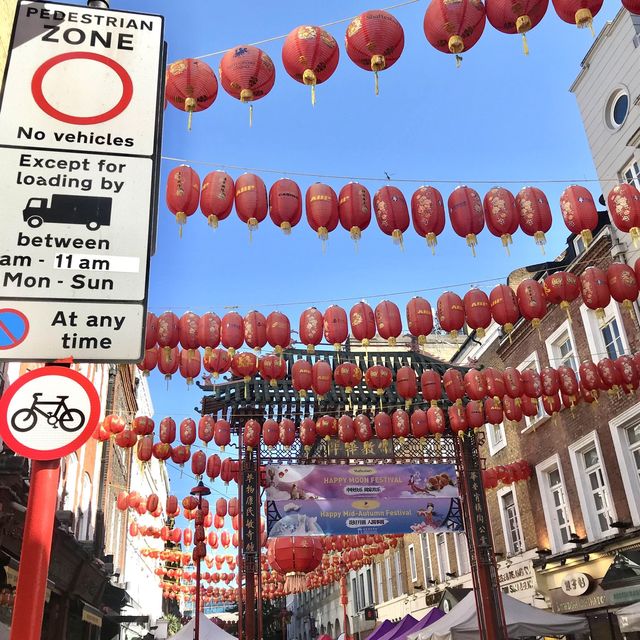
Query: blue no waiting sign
point(14, 328)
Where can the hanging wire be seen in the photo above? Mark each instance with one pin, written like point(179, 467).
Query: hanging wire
point(326, 24)
point(330, 176)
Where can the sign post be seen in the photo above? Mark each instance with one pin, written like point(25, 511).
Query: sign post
point(79, 121)
point(44, 415)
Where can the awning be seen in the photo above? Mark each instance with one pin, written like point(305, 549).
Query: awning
point(381, 630)
point(629, 618)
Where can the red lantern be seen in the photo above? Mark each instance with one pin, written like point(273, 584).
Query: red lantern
point(198, 463)
point(535, 214)
point(278, 331)
point(388, 321)
point(631, 6)
point(251, 435)
point(322, 377)
point(609, 375)
point(454, 27)
point(495, 384)
point(501, 214)
point(419, 424)
point(628, 373)
point(222, 434)
point(590, 376)
point(562, 288)
point(126, 439)
point(512, 409)
point(531, 383)
point(245, 365)
point(255, 330)
point(232, 332)
point(568, 382)
point(308, 433)
point(354, 209)
point(216, 197)
point(475, 385)
point(550, 381)
point(145, 448)
point(374, 41)
point(310, 55)
point(168, 330)
point(322, 209)
point(346, 430)
point(579, 210)
point(400, 422)
point(363, 324)
point(477, 311)
point(450, 311)
point(552, 404)
point(383, 427)
point(347, 375)
point(150, 361)
point(208, 332)
point(183, 193)
point(465, 208)
point(180, 455)
point(427, 214)
point(285, 204)
point(623, 285)
point(270, 433)
point(172, 509)
point(327, 426)
point(512, 382)
point(151, 331)
point(310, 328)
point(114, 424)
point(406, 385)
point(191, 85)
point(512, 17)
point(251, 200)
point(419, 319)
point(302, 377)
point(217, 363)
point(453, 385)
point(232, 508)
point(295, 557)
point(436, 421)
point(474, 414)
point(531, 301)
point(143, 425)
point(162, 451)
point(504, 307)
point(595, 290)
point(190, 364)
point(529, 406)
point(391, 212)
point(624, 206)
point(187, 431)
point(580, 12)
point(287, 432)
point(213, 466)
point(336, 327)
point(272, 368)
point(431, 386)
point(379, 378)
point(247, 74)
point(458, 420)
point(168, 362)
point(362, 425)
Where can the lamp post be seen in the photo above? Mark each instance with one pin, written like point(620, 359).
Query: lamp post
point(199, 491)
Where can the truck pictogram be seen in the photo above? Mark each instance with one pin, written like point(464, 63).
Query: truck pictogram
point(91, 211)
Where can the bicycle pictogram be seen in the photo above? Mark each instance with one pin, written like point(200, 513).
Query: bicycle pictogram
point(68, 419)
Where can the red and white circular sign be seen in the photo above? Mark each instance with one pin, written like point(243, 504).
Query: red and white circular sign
point(48, 413)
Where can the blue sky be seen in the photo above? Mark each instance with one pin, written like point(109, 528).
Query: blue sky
point(501, 119)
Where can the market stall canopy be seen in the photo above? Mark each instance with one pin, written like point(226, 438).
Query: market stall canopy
point(522, 620)
point(385, 627)
point(431, 617)
point(397, 632)
point(629, 618)
point(208, 631)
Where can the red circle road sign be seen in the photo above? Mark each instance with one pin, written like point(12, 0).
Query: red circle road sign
point(49, 109)
point(48, 413)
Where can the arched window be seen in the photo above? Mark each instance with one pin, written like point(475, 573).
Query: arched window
point(70, 482)
point(336, 628)
point(83, 527)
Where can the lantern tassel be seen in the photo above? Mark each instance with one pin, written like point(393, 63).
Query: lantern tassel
point(397, 238)
point(432, 241)
point(313, 95)
point(634, 232)
point(506, 239)
point(471, 242)
point(458, 61)
point(375, 75)
point(189, 119)
point(541, 240)
point(525, 45)
point(251, 115)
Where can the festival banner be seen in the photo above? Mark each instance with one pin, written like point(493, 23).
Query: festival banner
point(380, 481)
point(363, 516)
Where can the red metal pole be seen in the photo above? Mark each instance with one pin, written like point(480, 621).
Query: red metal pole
point(36, 550)
point(196, 628)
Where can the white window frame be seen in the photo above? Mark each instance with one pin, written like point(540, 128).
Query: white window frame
point(426, 550)
point(398, 566)
point(413, 567)
point(625, 458)
point(389, 576)
point(629, 166)
point(553, 348)
point(542, 470)
point(496, 445)
point(578, 245)
point(531, 423)
point(575, 455)
point(595, 339)
point(462, 551)
point(500, 493)
point(444, 566)
point(379, 580)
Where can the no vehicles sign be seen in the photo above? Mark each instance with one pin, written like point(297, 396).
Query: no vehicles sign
point(80, 122)
point(82, 79)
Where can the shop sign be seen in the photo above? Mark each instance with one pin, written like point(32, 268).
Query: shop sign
point(576, 583)
point(516, 579)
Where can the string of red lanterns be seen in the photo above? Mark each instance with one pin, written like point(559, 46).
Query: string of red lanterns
point(500, 211)
point(374, 41)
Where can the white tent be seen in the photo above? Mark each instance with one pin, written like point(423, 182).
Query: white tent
point(629, 618)
point(461, 623)
point(208, 631)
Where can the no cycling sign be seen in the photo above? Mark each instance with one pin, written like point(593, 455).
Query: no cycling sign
point(80, 124)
